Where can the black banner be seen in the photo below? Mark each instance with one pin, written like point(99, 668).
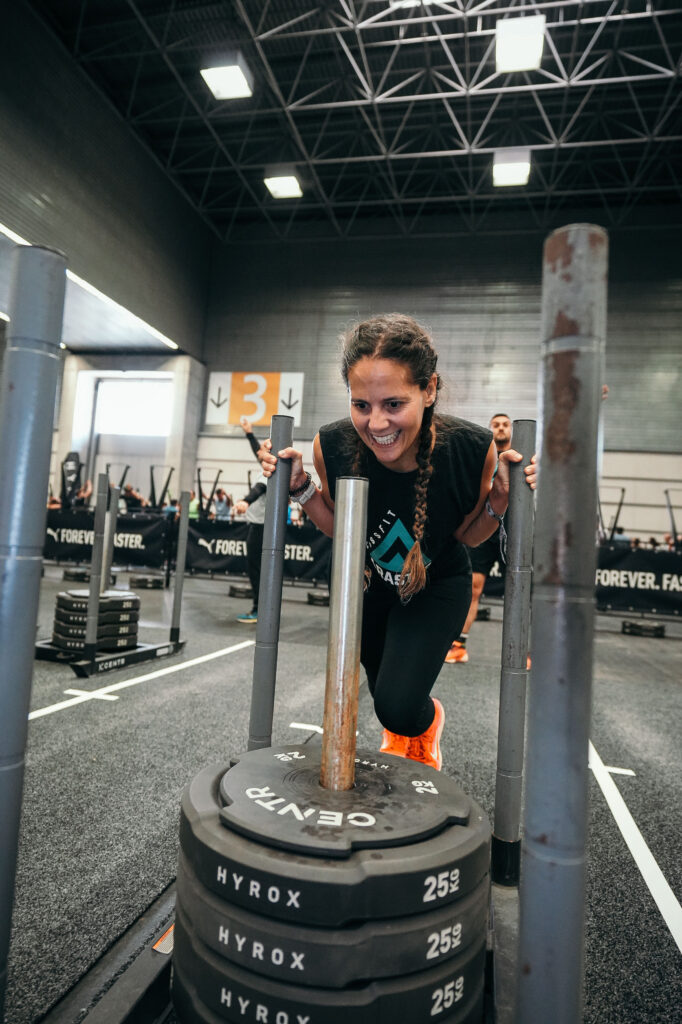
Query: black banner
point(639, 581)
point(218, 547)
point(139, 540)
point(626, 580)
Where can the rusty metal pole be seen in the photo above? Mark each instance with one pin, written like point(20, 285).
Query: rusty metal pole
point(552, 895)
point(337, 770)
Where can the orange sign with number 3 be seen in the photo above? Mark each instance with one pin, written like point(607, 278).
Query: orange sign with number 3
point(254, 395)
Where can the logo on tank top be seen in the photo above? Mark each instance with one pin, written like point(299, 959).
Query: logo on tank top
point(388, 550)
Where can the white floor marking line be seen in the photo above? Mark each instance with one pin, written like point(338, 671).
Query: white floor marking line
point(313, 728)
point(309, 728)
point(88, 693)
point(618, 771)
point(104, 690)
point(663, 895)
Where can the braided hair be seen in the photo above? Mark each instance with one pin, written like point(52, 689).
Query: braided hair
point(400, 338)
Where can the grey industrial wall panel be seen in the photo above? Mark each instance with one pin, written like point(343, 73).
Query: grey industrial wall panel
point(282, 308)
point(72, 176)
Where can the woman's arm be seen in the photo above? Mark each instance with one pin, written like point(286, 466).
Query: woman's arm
point(319, 508)
point(479, 524)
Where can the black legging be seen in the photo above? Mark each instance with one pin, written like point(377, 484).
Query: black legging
point(254, 552)
point(404, 646)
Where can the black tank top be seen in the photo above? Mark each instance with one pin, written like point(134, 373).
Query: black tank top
point(458, 459)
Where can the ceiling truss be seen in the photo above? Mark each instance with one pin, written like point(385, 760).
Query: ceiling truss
point(390, 115)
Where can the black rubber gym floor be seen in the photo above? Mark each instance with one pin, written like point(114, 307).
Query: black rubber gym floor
point(99, 836)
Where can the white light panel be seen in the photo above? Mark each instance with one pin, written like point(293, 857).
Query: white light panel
point(519, 42)
point(285, 186)
point(511, 167)
point(228, 82)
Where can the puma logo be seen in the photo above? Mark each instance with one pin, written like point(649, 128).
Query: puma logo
point(208, 544)
point(54, 534)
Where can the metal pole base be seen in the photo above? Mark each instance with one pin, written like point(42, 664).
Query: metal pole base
point(505, 861)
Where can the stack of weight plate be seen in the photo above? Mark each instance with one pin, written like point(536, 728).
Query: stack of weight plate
point(83, 576)
point(147, 582)
point(298, 905)
point(116, 625)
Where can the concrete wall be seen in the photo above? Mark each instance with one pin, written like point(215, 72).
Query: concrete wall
point(275, 308)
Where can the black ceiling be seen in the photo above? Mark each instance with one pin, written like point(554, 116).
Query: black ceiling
point(390, 114)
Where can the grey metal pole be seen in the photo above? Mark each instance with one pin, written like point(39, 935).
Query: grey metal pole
point(506, 841)
point(552, 894)
point(270, 591)
point(673, 525)
point(96, 565)
point(27, 402)
point(109, 538)
point(337, 769)
point(93, 439)
point(180, 559)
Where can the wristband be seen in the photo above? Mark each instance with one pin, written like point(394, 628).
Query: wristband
point(492, 513)
point(294, 491)
point(503, 533)
point(306, 494)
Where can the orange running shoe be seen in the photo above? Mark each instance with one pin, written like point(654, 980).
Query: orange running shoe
point(457, 653)
point(426, 748)
point(394, 743)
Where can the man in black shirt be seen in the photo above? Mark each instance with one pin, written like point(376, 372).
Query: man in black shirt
point(483, 557)
point(132, 498)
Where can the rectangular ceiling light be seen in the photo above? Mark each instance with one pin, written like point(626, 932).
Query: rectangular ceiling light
point(511, 167)
point(231, 80)
point(519, 42)
point(286, 186)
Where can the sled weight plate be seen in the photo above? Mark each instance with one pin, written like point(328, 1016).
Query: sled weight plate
point(368, 884)
point(332, 957)
point(226, 989)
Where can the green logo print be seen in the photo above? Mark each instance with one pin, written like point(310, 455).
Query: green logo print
point(392, 551)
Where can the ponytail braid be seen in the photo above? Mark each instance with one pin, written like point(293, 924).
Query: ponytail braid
point(413, 573)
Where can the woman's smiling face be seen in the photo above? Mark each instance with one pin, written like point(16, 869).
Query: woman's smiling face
point(387, 409)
